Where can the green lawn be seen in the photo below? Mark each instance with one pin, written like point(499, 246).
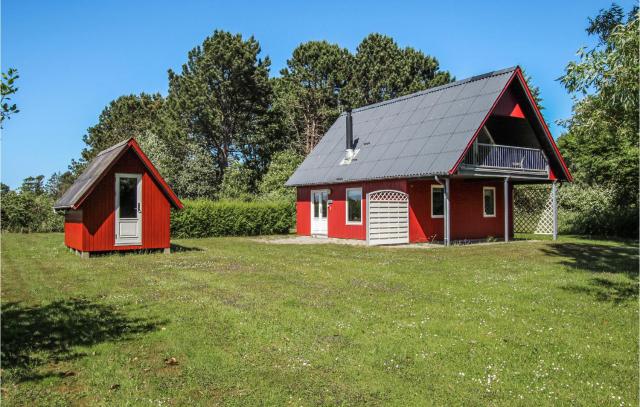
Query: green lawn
point(248, 323)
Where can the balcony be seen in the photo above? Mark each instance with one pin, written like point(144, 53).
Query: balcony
point(494, 158)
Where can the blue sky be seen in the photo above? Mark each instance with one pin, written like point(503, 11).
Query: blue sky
point(76, 56)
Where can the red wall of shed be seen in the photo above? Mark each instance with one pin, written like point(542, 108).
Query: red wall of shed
point(73, 229)
point(98, 232)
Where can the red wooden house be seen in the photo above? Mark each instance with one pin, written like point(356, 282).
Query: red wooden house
point(437, 165)
point(120, 202)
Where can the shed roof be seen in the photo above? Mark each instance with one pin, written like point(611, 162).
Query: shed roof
point(97, 169)
point(422, 134)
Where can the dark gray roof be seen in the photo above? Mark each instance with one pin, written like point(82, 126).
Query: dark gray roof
point(90, 175)
point(422, 134)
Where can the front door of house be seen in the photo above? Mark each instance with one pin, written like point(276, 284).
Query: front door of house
point(319, 212)
point(128, 209)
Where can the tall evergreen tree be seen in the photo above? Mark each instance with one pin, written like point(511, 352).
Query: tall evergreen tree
point(382, 70)
point(221, 97)
point(58, 183)
point(125, 117)
point(308, 90)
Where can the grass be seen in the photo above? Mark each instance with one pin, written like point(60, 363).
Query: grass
point(248, 323)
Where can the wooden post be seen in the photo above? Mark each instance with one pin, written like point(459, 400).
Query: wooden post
point(554, 203)
point(506, 209)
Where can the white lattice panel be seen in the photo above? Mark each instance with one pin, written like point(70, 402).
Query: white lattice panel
point(545, 222)
point(389, 196)
point(533, 209)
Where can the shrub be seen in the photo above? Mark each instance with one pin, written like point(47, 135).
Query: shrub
point(204, 218)
point(28, 212)
point(592, 210)
point(282, 166)
point(237, 182)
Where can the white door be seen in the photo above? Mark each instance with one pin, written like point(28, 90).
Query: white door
point(128, 209)
point(387, 217)
point(319, 212)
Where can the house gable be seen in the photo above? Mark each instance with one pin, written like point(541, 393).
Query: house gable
point(515, 112)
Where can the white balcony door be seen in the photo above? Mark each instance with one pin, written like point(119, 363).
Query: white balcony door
point(319, 212)
point(128, 209)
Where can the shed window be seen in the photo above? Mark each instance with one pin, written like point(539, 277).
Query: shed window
point(437, 201)
point(354, 206)
point(489, 201)
point(128, 197)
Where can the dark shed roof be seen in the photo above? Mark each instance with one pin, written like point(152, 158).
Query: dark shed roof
point(422, 134)
point(73, 197)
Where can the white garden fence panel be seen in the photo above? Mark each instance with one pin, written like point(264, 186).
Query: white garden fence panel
point(387, 217)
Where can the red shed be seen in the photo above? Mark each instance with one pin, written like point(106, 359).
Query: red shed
point(120, 202)
point(437, 165)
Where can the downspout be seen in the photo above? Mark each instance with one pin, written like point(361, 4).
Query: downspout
point(447, 221)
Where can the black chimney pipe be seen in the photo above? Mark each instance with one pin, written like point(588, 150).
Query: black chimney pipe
point(349, 130)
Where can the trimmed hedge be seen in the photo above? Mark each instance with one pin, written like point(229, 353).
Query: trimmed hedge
point(205, 218)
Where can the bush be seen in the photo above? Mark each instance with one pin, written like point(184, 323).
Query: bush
point(282, 166)
point(204, 218)
point(590, 210)
point(29, 212)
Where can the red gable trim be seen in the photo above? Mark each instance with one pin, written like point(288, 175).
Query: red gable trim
point(133, 144)
point(544, 125)
point(518, 73)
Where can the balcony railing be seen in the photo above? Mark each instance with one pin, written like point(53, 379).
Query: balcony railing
point(493, 156)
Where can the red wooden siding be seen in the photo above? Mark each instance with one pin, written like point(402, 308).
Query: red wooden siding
point(73, 229)
point(303, 211)
point(422, 227)
point(98, 233)
point(467, 220)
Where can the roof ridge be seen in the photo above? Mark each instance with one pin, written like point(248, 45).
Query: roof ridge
point(435, 89)
point(113, 147)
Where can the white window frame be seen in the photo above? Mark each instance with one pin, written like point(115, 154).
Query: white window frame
point(484, 209)
point(346, 206)
point(435, 186)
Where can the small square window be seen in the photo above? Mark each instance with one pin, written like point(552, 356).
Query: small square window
point(437, 201)
point(489, 201)
point(354, 206)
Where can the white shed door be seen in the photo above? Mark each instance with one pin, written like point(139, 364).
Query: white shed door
point(388, 217)
point(128, 209)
